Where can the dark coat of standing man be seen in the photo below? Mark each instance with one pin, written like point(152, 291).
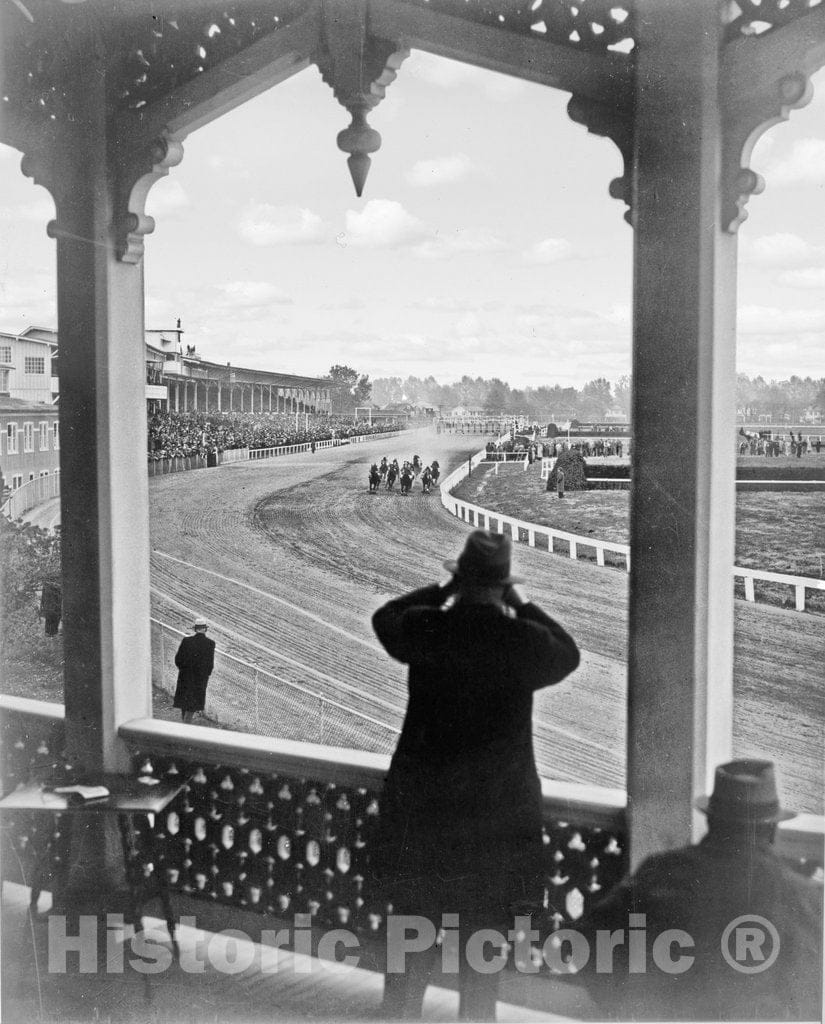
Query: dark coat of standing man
point(461, 815)
point(195, 660)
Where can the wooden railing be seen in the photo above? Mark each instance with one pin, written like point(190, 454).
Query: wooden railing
point(280, 827)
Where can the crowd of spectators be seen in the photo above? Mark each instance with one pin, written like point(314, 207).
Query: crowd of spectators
point(776, 445)
point(197, 433)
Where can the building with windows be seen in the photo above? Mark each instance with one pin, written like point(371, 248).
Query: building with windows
point(28, 368)
point(177, 378)
point(29, 441)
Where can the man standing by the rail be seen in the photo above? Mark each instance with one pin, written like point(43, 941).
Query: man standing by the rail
point(195, 660)
point(461, 815)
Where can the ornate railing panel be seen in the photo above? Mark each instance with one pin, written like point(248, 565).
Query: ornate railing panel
point(282, 828)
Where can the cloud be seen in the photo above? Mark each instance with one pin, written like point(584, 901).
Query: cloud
point(771, 320)
point(549, 250)
point(382, 224)
point(807, 277)
point(166, 199)
point(262, 224)
point(443, 170)
point(463, 241)
point(804, 164)
point(451, 74)
point(780, 250)
point(40, 210)
point(252, 295)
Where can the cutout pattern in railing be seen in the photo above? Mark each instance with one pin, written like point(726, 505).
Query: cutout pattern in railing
point(284, 845)
point(31, 747)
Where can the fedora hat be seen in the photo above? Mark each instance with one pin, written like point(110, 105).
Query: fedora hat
point(485, 559)
point(744, 791)
point(200, 623)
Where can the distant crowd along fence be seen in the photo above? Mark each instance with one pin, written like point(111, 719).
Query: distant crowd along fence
point(606, 552)
point(243, 696)
point(180, 463)
point(35, 492)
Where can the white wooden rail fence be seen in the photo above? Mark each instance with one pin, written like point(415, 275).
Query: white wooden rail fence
point(481, 517)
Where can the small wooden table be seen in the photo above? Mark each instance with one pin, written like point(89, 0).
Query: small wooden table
point(129, 795)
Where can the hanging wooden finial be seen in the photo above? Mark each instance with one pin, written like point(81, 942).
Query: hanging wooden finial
point(359, 140)
point(358, 67)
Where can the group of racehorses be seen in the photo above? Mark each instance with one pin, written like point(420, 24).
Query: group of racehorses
point(388, 473)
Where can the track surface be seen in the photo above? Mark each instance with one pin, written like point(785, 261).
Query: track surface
point(289, 557)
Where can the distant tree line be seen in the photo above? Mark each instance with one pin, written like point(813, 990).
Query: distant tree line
point(784, 399)
point(589, 403)
point(779, 399)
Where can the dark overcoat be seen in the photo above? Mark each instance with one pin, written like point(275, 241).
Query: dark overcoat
point(460, 823)
point(195, 660)
point(702, 891)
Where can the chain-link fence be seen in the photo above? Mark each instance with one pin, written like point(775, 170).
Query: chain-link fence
point(244, 697)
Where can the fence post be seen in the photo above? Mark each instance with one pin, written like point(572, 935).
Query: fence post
point(257, 704)
point(800, 597)
point(531, 538)
point(573, 549)
point(599, 556)
point(749, 594)
point(321, 721)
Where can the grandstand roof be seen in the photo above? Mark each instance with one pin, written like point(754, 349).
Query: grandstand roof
point(287, 380)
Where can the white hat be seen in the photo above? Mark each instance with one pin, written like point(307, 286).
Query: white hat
point(200, 623)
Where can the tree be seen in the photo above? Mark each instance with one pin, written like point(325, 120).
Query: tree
point(595, 400)
point(351, 388)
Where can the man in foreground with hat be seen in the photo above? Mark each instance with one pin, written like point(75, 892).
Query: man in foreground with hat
point(739, 931)
point(460, 824)
point(195, 660)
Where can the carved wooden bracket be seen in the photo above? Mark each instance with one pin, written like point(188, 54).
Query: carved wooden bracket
point(136, 177)
point(612, 123)
point(358, 67)
point(743, 123)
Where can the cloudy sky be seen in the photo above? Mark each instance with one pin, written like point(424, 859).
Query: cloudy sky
point(485, 242)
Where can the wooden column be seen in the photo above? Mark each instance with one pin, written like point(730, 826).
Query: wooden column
point(683, 497)
point(104, 488)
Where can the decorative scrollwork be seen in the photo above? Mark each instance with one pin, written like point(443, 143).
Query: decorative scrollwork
point(136, 177)
point(588, 25)
point(743, 127)
point(757, 17)
point(612, 123)
point(166, 52)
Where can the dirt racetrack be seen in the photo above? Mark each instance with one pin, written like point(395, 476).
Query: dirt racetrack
point(289, 557)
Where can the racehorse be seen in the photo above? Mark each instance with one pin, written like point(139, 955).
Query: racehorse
point(406, 480)
point(392, 476)
point(435, 470)
point(426, 480)
point(375, 478)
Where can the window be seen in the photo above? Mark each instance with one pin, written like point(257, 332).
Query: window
point(56, 436)
point(11, 434)
point(16, 481)
point(43, 472)
point(31, 477)
point(28, 437)
point(34, 364)
point(44, 436)
point(5, 353)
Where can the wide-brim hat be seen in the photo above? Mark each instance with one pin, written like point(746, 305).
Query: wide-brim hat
point(485, 560)
point(745, 792)
point(200, 623)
